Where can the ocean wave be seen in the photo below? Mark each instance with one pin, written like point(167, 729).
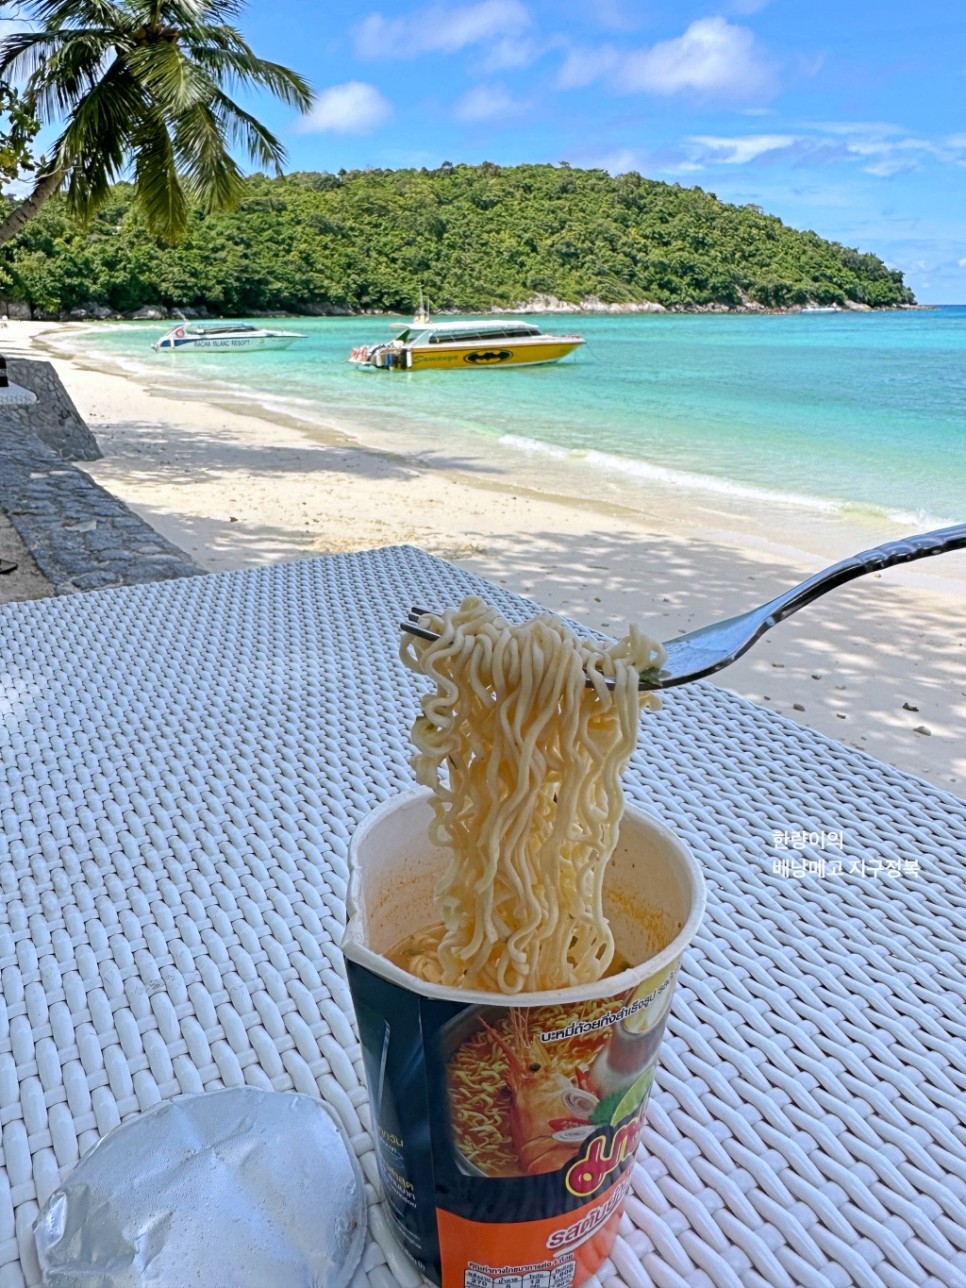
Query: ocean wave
point(645, 471)
point(920, 520)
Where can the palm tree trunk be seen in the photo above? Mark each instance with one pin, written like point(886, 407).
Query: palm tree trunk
point(45, 187)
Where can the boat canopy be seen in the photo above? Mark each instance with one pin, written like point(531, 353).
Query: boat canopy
point(467, 332)
point(226, 328)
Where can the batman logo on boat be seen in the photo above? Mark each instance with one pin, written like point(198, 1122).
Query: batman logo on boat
point(489, 355)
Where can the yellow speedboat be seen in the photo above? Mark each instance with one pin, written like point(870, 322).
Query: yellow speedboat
point(467, 346)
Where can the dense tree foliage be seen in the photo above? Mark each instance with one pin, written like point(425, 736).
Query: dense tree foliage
point(18, 129)
point(471, 237)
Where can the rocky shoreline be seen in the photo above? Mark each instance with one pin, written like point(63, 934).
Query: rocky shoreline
point(19, 310)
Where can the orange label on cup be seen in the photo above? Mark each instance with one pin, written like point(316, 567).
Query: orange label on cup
point(506, 1134)
point(557, 1252)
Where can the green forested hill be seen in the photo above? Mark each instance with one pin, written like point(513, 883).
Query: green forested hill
point(472, 237)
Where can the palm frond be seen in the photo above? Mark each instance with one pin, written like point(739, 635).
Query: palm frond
point(86, 189)
point(70, 72)
point(22, 53)
point(228, 62)
point(157, 183)
point(100, 128)
point(213, 175)
point(149, 13)
point(172, 81)
point(62, 15)
point(202, 13)
point(219, 34)
point(143, 82)
point(240, 126)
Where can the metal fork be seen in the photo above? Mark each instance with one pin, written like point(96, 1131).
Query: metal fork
point(711, 648)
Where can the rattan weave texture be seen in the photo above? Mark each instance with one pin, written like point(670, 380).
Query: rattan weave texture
point(182, 766)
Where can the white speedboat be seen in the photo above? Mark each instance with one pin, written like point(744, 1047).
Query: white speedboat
point(225, 337)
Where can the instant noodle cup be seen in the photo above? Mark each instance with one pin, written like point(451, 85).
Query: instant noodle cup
point(506, 1126)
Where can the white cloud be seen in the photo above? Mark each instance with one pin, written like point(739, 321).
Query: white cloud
point(740, 151)
point(883, 154)
point(486, 103)
point(352, 108)
point(622, 161)
point(665, 161)
point(878, 149)
point(583, 66)
point(440, 29)
point(961, 263)
point(510, 53)
point(713, 57)
point(614, 14)
point(866, 129)
point(886, 169)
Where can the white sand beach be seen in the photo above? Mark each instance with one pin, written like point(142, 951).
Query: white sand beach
point(880, 664)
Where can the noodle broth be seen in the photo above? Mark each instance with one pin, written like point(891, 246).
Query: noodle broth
point(417, 955)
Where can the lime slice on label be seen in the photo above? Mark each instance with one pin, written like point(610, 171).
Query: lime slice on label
point(630, 1101)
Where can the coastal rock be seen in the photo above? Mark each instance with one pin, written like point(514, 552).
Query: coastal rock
point(593, 304)
point(325, 310)
point(748, 305)
point(17, 310)
point(589, 304)
point(150, 313)
point(857, 307)
point(542, 304)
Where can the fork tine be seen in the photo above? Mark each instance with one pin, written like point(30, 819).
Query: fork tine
point(421, 631)
point(412, 627)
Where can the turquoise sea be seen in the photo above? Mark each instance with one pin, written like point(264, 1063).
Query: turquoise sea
point(832, 412)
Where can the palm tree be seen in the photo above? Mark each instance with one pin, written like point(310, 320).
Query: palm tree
point(140, 86)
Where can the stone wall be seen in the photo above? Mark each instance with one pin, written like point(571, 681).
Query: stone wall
point(53, 418)
point(80, 537)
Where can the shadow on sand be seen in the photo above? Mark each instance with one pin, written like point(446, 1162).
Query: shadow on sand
point(855, 661)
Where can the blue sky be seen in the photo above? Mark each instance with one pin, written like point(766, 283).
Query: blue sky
point(843, 116)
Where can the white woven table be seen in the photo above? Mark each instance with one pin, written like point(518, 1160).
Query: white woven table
point(183, 764)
